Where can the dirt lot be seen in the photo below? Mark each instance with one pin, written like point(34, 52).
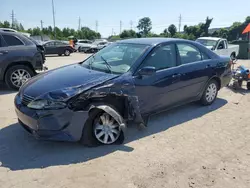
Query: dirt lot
point(191, 146)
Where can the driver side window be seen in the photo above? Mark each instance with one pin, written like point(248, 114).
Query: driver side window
point(221, 45)
point(162, 57)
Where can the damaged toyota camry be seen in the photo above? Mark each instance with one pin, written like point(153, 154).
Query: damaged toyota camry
point(94, 100)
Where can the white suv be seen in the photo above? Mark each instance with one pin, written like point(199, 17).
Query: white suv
point(83, 45)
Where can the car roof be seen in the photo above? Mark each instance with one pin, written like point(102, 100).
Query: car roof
point(150, 41)
point(210, 38)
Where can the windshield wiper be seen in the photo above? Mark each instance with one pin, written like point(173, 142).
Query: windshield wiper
point(91, 62)
point(108, 65)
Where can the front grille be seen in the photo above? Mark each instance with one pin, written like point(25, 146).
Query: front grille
point(27, 99)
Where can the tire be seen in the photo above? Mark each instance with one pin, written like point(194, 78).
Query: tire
point(13, 72)
point(248, 85)
point(210, 93)
point(67, 52)
point(79, 49)
point(59, 54)
point(89, 137)
point(232, 56)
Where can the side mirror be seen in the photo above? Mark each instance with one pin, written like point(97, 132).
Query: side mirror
point(147, 71)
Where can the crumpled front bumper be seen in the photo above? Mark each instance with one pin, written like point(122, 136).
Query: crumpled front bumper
point(59, 125)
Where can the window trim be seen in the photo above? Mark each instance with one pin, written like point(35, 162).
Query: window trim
point(152, 51)
point(190, 44)
point(23, 44)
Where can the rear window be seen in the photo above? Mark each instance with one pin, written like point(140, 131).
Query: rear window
point(12, 40)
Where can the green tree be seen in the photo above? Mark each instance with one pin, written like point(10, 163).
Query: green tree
point(128, 34)
point(6, 24)
point(144, 26)
point(172, 30)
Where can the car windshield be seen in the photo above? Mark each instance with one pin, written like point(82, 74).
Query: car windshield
point(206, 42)
point(116, 58)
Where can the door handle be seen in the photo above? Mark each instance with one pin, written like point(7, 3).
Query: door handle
point(176, 75)
point(3, 52)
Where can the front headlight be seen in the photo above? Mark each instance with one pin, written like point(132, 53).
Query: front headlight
point(55, 99)
point(46, 104)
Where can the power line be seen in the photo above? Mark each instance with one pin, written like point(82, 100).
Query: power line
point(131, 24)
point(53, 12)
point(96, 26)
point(12, 19)
point(180, 23)
point(79, 23)
point(41, 30)
point(120, 27)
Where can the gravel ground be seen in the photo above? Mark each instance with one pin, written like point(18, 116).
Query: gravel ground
point(191, 146)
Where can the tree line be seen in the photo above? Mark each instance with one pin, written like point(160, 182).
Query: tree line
point(144, 30)
point(60, 34)
point(189, 32)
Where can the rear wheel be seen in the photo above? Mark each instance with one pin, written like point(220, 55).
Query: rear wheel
point(67, 53)
point(101, 128)
point(17, 75)
point(210, 93)
point(233, 56)
point(248, 85)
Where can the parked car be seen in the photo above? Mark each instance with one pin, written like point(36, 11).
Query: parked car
point(97, 98)
point(96, 46)
point(20, 57)
point(13, 30)
point(83, 45)
point(220, 46)
point(58, 47)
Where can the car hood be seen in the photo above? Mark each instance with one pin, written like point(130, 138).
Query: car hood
point(65, 77)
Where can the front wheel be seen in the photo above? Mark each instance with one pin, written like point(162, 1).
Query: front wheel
point(17, 75)
point(101, 128)
point(210, 93)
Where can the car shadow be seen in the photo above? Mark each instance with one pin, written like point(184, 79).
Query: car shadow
point(241, 90)
point(4, 90)
point(19, 150)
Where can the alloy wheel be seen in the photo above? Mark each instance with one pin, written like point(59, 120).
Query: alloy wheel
point(211, 92)
point(19, 77)
point(106, 129)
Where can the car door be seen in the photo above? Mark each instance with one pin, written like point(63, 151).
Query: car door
point(50, 48)
point(221, 48)
point(10, 46)
point(161, 89)
point(195, 70)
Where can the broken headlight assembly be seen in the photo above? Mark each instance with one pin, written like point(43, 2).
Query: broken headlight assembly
point(54, 100)
point(46, 104)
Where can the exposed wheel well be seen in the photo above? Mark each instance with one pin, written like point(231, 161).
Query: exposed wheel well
point(233, 54)
point(118, 103)
point(25, 63)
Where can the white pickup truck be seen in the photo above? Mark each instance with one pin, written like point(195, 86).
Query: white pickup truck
point(220, 46)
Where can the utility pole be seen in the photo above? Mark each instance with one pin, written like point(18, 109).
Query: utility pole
point(12, 19)
point(79, 24)
point(131, 25)
point(120, 27)
point(96, 26)
point(41, 30)
point(53, 12)
point(180, 23)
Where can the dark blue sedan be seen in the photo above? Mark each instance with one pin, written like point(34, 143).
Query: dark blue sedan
point(92, 101)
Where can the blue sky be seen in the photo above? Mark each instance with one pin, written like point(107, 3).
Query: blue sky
point(109, 13)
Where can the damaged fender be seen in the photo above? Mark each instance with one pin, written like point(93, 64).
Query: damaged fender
point(111, 111)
